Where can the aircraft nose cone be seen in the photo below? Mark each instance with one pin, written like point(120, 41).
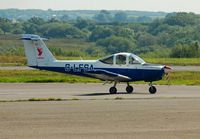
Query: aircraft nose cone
point(167, 69)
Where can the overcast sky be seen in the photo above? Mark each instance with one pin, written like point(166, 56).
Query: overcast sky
point(141, 5)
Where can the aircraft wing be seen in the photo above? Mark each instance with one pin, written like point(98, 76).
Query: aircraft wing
point(107, 75)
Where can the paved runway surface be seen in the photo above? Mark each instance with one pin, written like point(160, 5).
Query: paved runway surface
point(16, 91)
point(171, 113)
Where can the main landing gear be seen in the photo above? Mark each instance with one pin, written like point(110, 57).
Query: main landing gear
point(113, 90)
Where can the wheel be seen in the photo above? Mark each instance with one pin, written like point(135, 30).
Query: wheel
point(152, 90)
point(113, 90)
point(129, 89)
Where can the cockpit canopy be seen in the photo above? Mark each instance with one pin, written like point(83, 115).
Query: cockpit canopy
point(122, 59)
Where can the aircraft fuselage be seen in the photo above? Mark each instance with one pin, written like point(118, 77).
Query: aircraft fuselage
point(137, 72)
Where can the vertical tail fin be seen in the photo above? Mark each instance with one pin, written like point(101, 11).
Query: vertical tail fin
point(36, 51)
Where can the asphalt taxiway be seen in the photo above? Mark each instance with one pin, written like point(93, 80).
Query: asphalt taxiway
point(171, 113)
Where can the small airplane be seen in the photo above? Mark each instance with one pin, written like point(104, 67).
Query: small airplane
point(119, 67)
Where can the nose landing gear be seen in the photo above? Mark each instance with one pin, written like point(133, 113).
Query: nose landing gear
point(152, 89)
point(129, 89)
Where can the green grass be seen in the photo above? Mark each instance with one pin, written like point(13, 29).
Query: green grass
point(180, 78)
point(45, 99)
point(36, 76)
point(40, 99)
point(118, 98)
point(174, 61)
point(7, 60)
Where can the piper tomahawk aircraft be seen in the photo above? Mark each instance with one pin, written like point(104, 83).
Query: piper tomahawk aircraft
point(120, 67)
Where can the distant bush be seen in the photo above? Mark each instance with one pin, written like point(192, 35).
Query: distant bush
point(186, 51)
point(116, 44)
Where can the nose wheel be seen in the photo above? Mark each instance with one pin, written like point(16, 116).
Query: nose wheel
point(152, 89)
point(129, 89)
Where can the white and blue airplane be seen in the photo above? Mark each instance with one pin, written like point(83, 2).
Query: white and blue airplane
point(119, 67)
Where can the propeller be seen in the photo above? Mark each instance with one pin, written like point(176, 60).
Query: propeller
point(167, 70)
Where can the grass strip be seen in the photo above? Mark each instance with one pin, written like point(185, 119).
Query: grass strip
point(36, 76)
point(39, 99)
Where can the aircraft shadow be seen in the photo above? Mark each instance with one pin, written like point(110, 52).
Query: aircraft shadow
point(93, 94)
point(103, 94)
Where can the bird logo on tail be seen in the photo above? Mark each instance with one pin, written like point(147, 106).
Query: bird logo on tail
point(40, 51)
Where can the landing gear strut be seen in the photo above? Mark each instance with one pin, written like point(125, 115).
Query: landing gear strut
point(113, 90)
point(152, 89)
point(129, 89)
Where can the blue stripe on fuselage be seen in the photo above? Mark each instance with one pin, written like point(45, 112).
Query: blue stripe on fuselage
point(147, 75)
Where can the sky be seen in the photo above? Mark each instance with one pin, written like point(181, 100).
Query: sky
point(139, 5)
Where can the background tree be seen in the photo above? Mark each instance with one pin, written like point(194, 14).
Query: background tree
point(182, 19)
point(103, 17)
point(36, 21)
point(145, 39)
point(120, 17)
point(83, 23)
point(116, 44)
point(101, 32)
point(144, 19)
point(18, 29)
point(65, 18)
point(5, 25)
point(1, 31)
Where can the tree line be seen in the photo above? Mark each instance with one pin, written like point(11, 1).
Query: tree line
point(175, 35)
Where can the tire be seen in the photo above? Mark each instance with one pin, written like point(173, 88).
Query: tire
point(152, 90)
point(113, 90)
point(129, 89)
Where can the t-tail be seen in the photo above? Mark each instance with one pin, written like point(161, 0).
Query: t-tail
point(36, 51)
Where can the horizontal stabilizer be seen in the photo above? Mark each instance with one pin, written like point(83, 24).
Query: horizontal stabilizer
point(32, 37)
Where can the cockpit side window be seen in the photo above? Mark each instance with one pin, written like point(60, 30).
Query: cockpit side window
point(121, 59)
point(133, 61)
point(107, 60)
